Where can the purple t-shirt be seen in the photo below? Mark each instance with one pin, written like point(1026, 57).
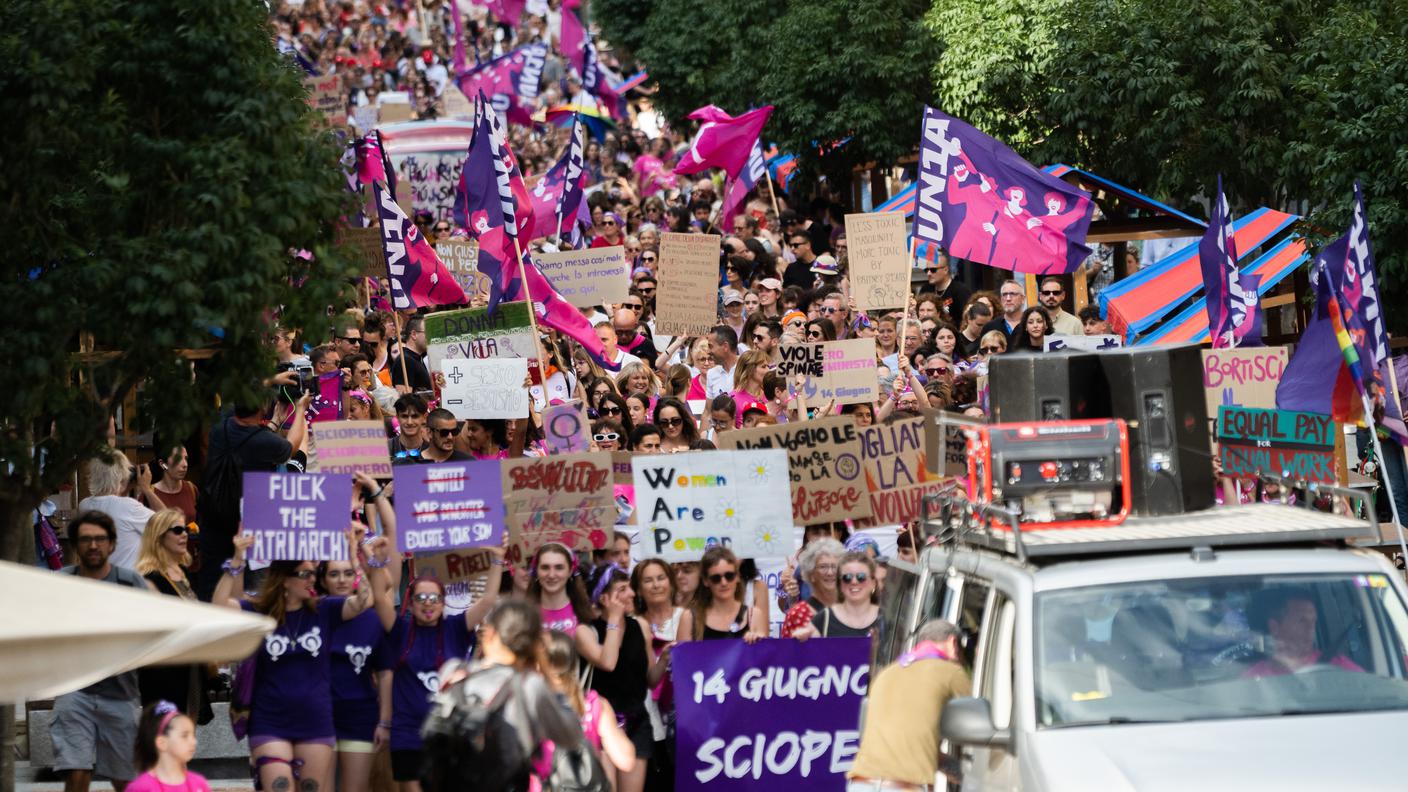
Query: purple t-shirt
point(414, 654)
point(354, 646)
point(292, 677)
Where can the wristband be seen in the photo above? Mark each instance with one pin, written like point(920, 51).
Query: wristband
point(376, 564)
point(496, 561)
point(383, 724)
point(231, 569)
point(610, 626)
point(377, 495)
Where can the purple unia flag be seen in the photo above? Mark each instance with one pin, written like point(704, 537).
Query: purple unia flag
point(1217, 255)
point(557, 195)
point(981, 201)
point(738, 188)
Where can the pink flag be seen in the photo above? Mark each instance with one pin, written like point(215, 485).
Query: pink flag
point(723, 142)
point(417, 275)
point(510, 12)
point(741, 185)
point(370, 165)
point(555, 312)
point(574, 41)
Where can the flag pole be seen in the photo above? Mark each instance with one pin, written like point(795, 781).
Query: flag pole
point(532, 314)
point(775, 210)
point(1388, 486)
point(401, 345)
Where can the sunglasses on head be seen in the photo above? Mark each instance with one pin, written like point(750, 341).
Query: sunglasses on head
point(855, 577)
point(606, 437)
point(723, 577)
point(428, 598)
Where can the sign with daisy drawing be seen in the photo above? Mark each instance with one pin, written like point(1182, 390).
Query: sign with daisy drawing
point(687, 503)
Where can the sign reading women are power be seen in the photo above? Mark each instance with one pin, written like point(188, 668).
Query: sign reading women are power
point(449, 505)
point(297, 516)
point(687, 503)
point(777, 714)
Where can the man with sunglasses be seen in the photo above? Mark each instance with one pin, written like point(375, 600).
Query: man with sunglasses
point(952, 295)
point(799, 272)
point(1051, 296)
point(94, 728)
point(610, 350)
point(347, 340)
point(1014, 300)
point(444, 428)
point(626, 322)
point(767, 338)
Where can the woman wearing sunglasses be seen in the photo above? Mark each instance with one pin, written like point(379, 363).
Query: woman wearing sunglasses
point(163, 560)
point(417, 643)
point(718, 609)
point(607, 435)
point(856, 612)
point(291, 714)
point(676, 425)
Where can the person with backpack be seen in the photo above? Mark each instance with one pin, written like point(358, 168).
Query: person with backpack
point(489, 728)
point(599, 723)
point(414, 647)
point(241, 441)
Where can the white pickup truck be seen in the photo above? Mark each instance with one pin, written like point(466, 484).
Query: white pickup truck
point(1246, 647)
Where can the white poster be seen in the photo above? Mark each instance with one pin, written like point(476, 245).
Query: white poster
point(686, 503)
point(487, 388)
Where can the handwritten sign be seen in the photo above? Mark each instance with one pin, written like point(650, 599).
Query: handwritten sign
point(461, 258)
point(895, 473)
point(824, 460)
point(364, 246)
point(432, 176)
point(561, 498)
point(448, 506)
point(594, 276)
point(1082, 343)
point(739, 728)
point(566, 429)
point(473, 334)
point(457, 566)
point(879, 260)
point(689, 279)
point(297, 516)
point(351, 447)
point(1279, 442)
point(843, 371)
point(326, 97)
point(490, 388)
point(687, 503)
point(1241, 378)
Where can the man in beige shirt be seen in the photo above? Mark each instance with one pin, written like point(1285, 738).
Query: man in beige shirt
point(1051, 295)
point(899, 745)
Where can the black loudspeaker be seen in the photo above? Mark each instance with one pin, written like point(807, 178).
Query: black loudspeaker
point(1046, 386)
point(1159, 392)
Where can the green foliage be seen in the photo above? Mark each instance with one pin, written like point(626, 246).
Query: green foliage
point(832, 68)
point(160, 166)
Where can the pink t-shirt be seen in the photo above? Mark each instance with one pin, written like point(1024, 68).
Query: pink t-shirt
point(148, 782)
point(562, 619)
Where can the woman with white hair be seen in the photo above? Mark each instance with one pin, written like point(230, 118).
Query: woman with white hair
point(817, 567)
point(111, 482)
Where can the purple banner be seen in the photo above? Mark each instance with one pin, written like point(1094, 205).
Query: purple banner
point(448, 506)
point(297, 516)
point(1217, 256)
point(779, 714)
point(982, 202)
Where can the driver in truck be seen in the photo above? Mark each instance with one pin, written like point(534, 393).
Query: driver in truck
point(1290, 626)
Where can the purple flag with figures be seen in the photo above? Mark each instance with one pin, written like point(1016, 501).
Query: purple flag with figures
point(510, 81)
point(449, 506)
point(777, 714)
point(418, 277)
point(981, 202)
point(1217, 255)
point(739, 187)
point(558, 193)
point(1317, 379)
point(297, 516)
point(1248, 332)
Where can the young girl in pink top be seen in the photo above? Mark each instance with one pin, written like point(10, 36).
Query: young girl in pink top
point(166, 743)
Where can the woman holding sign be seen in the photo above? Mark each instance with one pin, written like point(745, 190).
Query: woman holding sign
point(718, 610)
point(291, 732)
point(856, 614)
point(416, 644)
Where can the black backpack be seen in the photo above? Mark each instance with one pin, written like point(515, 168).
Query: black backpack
point(468, 744)
point(223, 484)
point(576, 770)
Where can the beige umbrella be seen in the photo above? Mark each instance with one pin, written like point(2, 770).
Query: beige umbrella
point(64, 632)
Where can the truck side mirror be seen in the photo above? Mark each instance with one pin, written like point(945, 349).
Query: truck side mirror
point(968, 721)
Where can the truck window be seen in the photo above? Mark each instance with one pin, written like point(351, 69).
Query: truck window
point(972, 601)
point(1220, 647)
point(996, 684)
point(900, 585)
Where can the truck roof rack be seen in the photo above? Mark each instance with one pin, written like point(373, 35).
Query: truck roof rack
point(964, 522)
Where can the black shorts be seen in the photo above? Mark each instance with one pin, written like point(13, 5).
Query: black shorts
point(405, 765)
point(641, 734)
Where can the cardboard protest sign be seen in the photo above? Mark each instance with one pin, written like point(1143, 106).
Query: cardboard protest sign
point(364, 244)
point(456, 566)
point(685, 303)
point(594, 276)
point(739, 728)
point(461, 257)
point(351, 447)
point(566, 429)
point(472, 333)
point(1243, 377)
point(297, 516)
point(1279, 442)
point(946, 443)
point(1083, 343)
point(448, 506)
point(824, 460)
point(431, 176)
point(843, 371)
point(687, 503)
point(366, 117)
point(879, 260)
point(325, 96)
point(561, 498)
point(895, 471)
point(491, 388)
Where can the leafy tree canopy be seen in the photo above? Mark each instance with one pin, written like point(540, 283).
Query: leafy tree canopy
point(161, 164)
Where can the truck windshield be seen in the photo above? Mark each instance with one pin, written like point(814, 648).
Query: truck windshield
point(1220, 647)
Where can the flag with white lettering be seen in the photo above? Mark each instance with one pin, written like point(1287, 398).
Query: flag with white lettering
point(982, 202)
point(1217, 256)
point(418, 277)
point(558, 193)
point(510, 82)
